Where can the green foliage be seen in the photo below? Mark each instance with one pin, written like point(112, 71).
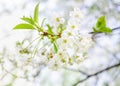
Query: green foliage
point(33, 24)
point(28, 19)
point(101, 22)
point(36, 11)
point(55, 47)
point(24, 26)
point(49, 29)
point(101, 26)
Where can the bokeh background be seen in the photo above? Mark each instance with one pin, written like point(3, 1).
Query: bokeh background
point(105, 53)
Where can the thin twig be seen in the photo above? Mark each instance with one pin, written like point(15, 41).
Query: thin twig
point(80, 71)
point(97, 73)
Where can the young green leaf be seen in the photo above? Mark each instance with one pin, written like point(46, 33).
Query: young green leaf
point(36, 11)
point(106, 30)
point(49, 29)
point(55, 47)
point(101, 22)
point(28, 20)
point(101, 26)
point(24, 26)
point(95, 30)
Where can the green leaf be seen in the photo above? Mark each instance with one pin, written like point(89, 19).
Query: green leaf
point(49, 29)
point(55, 47)
point(95, 30)
point(101, 22)
point(36, 11)
point(106, 30)
point(28, 20)
point(24, 26)
point(101, 26)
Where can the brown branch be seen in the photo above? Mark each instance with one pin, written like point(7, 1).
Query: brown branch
point(97, 73)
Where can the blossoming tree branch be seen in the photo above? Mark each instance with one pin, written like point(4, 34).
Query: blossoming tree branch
point(66, 45)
